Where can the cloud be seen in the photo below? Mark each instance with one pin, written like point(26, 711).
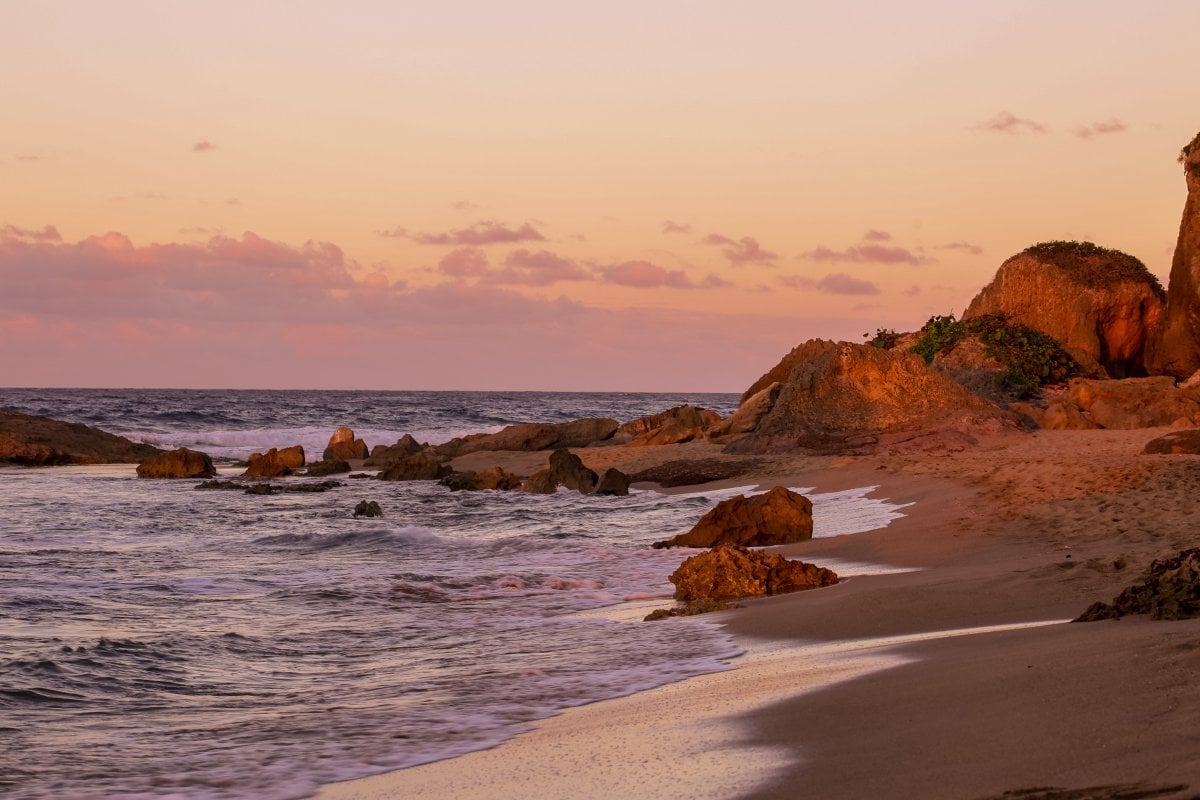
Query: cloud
point(715, 281)
point(866, 254)
point(1009, 123)
point(203, 146)
point(465, 205)
point(150, 196)
point(873, 235)
point(676, 227)
point(481, 233)
point(645, 275)
point(740, 252)
point(839, 283)
point(913, 290)
point(1104, 128)
point(961, 247)
point(465, 262)
point(47, 234)
point(526, 268)
point(200, 230)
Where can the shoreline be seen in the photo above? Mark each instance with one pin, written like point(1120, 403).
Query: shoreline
point(1015, 531)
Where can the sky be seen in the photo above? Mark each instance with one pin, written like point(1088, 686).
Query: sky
point(626, 196)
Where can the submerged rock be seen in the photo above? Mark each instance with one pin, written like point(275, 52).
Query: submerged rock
point(1170, 590)
point(275, 463)
point(368, 508)
point(181, 463)
point(566, 470)
point(344, 447)
point(43, 442)
point(729, 572)
point(778, 517)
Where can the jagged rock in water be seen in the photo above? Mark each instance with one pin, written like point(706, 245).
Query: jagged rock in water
point(496, 478)
point(613, 482)
point(1174, 349)
point(181, 463)
point(567, 470)
point(422, 466)
point(1100, 304)
point(729, 572)
point(529, 437)
point(368, 508)
point(43, 442)
point(778, 517)
point(1170, 590)
point(275, 463)
point(327, 466)
point(344, 447)
point(673, 426)
point(386, 455)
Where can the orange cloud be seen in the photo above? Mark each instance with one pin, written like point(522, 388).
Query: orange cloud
point(1009, 123)
point(867, 254)
point(837, 283)
point(740, 252)
point(1105, 128)
point(203, 146)
point(961, 247)
point(481, 233)
point(675, 227)
point(49, 233)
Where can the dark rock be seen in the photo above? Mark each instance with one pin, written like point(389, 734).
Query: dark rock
point(308, 488)
point(1170, 590)
point(360, 476)
point(260, 488)
point(566, 470)
point(319, 469)
point(496, 478)
point(613, 482)
point(1177, 442)
point(43, 442)
point(689, 472)
point(181, 463)
point(422, 466)
point(778, 517)
point(386, 455)
point(275, 463)
point(674, 426)
point(344, 447)
point(368, 508)
point(220, 485)
point(690, 609)
point(533, 436)
point(729, 572)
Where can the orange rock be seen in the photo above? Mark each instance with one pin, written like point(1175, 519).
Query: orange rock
point(344, 447)
point(181, 463)
point(1175, 347)
point(275, 463)
point(729, 572)
point(777, 517)
point(673, 426)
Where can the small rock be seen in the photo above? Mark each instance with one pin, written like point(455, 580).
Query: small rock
point(613, 482)
point(566, 470)
point(344, 447)
point(423, 466)
point(728, 572)
point(320, 469)
point(778, 517)
point(181, 463)
point(368, 508)
point(275, 463)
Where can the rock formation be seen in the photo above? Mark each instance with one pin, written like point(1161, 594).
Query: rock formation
point(344, 447)
point(422, 466)
point(496, 478)
point(689, 472)
point(673, 426)
point(845, 397)
point(1170, 590)
point(613, 483)
point(327, 466)
point(1118, 405)
point(181, 463)
point(750, 412)
point(567, 470)
point(368, 508)
point(384, 455)
point(1174, 443)
point(533, 436)
point(781, 372)
point(275, 463)
point(1100, 304)
point(728, 572)
point(41, 442)
point(778, 517)
point(1175, 348)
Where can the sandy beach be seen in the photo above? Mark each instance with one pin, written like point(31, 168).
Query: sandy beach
point(958, 679)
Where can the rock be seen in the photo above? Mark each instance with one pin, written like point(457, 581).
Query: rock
point(778, 517)
point(689, 472)
point(613, 483)
point(1178, 442)
point(1174, 349)
point(844, 398)
point(368, 508)
point(260, 488)
point(344, 447)
point(533, 436)
point(781, 372)
point(309, 488)
point(729, 572)
point(275, 463)
point(181, 463)
point(566, 470)
point(673, 426)
point(496, 478)
point(222, 485)
point(749, 413)
point(1120, 405)
point(43, 442)
point(422, 466)
point(1170, 590)
point(327, 466)
point(1100, 304)
point(385, 455)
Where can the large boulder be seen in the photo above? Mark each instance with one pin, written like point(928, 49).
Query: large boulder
point(728, 572)
point(778, 517)
point(1174, 349)
point(750, 412)
point(673, 426)
point(1119, 405)
point(532, 436)
point(275, 463)
point(1170, 590)
point(567, 470)
point(1100, 304)
point(383, 455)
point(181, 463)
point(422, 466)
point(344, 447)
point(848, 396)
point(40, 442)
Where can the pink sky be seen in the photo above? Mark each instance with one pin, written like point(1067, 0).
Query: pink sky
point(537, 195)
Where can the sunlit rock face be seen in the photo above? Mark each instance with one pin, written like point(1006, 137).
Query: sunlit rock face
point(1175, 348)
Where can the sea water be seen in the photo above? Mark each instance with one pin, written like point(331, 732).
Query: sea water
point(160, 641)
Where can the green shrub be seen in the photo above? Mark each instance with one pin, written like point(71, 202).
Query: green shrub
point(884, 339)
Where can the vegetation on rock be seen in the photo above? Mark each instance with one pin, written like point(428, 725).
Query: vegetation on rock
point(884, 338)
point(1093, 265)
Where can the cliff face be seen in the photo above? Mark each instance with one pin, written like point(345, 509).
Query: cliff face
point(1175, 348)
point(1101, 305)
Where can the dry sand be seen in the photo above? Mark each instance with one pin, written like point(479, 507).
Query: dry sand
point(860, 691)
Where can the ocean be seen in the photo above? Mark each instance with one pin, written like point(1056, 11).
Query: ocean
point(157, 641)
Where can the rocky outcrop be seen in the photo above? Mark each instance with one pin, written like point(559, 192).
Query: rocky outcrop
point(1102, 305)
point(368, 508)
point(689, 472)
point(729, 572)
point(181, 463)
point(1175, 347)
point(344, 447)
point(275, 463)
point(613, 483)
point(1174, 443)
point(778, 517)
point(496, 479)
point(749, 413)
point(781, 372)
point(319, 469)
point(567, 470)
point(1170, 590)
point(673, 426)
point(384, 455)
point(529, 437)
point(42, 442)
point(1119, 405)
point(848, 396)
point(421, 466)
